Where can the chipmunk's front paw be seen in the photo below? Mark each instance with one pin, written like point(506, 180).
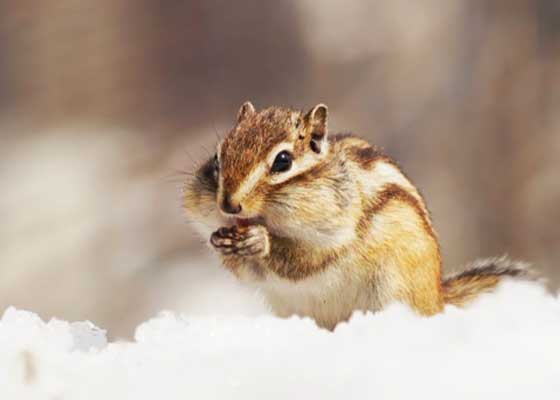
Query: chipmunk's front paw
point(251, 241)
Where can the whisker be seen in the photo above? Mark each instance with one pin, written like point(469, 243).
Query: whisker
point(178, 176)
point(218, 136)
point(208, 153)
point(193, 161)
point(183, 172)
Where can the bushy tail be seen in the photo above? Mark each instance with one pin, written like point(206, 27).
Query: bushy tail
point(481, 277)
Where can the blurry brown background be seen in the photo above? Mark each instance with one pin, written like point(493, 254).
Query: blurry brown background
point(103, 103)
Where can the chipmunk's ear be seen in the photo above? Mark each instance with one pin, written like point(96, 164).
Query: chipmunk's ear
point(246, 109)
point(316, 124)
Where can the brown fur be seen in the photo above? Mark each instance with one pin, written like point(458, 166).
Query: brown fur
point(251, 140)
point(335, 214)
point(464, 287)
point(294, 262)
point(389, 193)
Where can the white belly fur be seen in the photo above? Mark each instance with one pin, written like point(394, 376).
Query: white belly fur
point(328, 297)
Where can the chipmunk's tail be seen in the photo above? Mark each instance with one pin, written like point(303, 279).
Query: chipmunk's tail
point(481, 277)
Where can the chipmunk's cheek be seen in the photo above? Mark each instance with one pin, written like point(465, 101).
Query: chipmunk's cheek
point(252, 206)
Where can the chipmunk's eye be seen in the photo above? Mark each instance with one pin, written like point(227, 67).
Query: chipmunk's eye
point(282, 162)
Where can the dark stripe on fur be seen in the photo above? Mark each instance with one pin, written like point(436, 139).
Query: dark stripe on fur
point(493, 267)
point(393, 192)
point(300, 263)
point(481, 277)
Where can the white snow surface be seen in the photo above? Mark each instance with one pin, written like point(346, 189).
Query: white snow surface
point(505, 346)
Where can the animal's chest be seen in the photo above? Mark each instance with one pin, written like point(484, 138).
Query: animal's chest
point(328, 297)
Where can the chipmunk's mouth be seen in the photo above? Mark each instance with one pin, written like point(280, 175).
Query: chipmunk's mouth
point(244, 222)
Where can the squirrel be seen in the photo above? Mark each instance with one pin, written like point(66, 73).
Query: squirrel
point(324, 226)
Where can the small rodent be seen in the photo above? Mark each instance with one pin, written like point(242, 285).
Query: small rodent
point(324, 226)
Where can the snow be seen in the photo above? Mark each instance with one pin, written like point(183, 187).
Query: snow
point(505, 346)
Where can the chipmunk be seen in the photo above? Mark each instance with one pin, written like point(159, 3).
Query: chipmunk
point(324, 226)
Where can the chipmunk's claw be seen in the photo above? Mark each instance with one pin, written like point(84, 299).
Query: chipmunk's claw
point(252, 241)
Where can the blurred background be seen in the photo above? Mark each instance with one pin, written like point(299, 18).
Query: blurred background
point(103, 104)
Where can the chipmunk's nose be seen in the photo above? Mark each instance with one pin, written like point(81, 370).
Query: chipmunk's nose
point(229, 207)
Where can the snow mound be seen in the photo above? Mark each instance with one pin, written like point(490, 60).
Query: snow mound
point(505, 346)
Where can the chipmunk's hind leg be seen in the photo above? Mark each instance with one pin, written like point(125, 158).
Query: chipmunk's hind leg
point(481, 277)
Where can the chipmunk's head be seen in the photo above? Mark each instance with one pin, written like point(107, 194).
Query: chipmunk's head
point(263, 151)
point(266, 149)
